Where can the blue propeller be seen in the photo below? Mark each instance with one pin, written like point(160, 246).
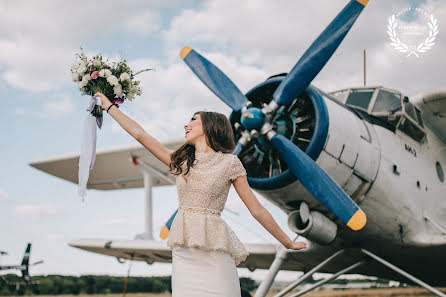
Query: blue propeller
point(214, 79)
point(319, 183)
point(166, 228)
point(312, 177)
point(318, 54)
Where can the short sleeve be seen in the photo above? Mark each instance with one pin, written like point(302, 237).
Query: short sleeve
point(236, 168)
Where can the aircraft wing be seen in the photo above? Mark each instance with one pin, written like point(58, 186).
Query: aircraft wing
point(150, 251)
point(433, 108)
point(113, 168)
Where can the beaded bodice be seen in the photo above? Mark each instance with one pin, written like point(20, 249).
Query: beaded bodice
point(207, 183)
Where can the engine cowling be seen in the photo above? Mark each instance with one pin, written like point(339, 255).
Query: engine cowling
point(304, 122)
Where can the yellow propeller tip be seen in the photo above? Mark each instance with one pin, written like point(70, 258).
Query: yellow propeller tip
point(363, 2)
point(357, 221)
point(184, 52)
point(164, 233)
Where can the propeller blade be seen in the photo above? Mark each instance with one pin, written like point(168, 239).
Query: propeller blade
point(238, 149)
point(166, 228)
point(317, 55)
point(319, 183)
point(214, 78)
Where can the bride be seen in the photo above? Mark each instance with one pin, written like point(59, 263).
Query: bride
point(205, 251)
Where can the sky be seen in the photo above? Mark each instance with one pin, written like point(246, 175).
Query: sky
point(43, 111)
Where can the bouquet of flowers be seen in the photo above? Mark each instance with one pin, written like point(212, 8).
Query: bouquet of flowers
point(117, 82)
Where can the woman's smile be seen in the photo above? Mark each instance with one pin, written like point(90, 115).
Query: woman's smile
point(194, 129)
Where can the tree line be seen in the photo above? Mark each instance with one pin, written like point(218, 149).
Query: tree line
point(11, 284)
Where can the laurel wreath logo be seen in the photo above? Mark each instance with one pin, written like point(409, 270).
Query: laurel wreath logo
point(422, 47)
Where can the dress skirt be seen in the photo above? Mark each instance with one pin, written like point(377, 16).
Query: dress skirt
point(200, 273)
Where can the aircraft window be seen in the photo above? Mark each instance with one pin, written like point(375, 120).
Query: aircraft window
point(387, 101)
point(420, 120)
point(439, 171)
point(360, 98)
point(341, 95)
point(409, 128)
point(410, 110)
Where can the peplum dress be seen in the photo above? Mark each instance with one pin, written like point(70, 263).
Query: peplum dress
point(205, 251)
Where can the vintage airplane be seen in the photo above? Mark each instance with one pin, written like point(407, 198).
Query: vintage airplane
point(318, 157)
point(24, 269)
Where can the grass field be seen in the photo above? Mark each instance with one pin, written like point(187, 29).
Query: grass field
point(394, 292)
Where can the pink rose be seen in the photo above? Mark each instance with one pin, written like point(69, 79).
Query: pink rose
point(95, 75)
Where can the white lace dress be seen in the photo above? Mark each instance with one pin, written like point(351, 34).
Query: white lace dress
point(205, 251)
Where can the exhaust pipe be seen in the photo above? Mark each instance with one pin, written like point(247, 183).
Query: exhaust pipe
point(312, 225)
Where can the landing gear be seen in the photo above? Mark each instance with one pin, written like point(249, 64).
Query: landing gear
point(281, 255)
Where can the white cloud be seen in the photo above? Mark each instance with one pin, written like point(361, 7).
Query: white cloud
point(35, 211)
point(4, 196)
point(19, 112)
point(59, 107)
point(264, 32)
point(144, 22)
point(54, 236)
point(37, 44)
point(274, 35)
point(122, 222)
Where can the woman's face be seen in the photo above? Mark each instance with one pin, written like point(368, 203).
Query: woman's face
point(194, 130)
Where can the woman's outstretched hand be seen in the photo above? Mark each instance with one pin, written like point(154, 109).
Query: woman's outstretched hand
point(105, 101)
point(297, 245)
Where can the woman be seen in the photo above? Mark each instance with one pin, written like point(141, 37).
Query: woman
point(205, 251)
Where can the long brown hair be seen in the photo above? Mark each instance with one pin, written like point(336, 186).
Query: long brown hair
point(219, 136)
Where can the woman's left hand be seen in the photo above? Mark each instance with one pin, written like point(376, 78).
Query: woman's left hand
point(297, 245)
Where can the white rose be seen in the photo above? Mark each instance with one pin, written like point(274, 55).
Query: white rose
point(107, 72)
point(96, 63)
point(75, 66)
point(81, 70)
point(124, 76)
point(117, 89)
point(87, 77)
point(113, 80)
point(75, 77)
point(81, 84)
point(102, 73)
point(130, 96)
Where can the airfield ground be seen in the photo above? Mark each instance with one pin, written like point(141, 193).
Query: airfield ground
point(393, 292)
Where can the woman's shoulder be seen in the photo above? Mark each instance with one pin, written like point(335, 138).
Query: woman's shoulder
point(230, 157)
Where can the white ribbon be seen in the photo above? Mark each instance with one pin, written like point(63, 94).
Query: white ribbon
point(88, 148)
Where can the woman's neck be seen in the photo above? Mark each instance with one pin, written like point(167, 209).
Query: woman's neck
point(203, 148)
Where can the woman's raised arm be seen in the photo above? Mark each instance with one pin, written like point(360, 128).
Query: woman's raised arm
point(136, 131)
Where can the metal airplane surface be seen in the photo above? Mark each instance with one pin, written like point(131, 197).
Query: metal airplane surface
point(359, 171)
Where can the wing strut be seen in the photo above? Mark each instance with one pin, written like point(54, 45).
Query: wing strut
point(364, 256)
point(265, 286)
point(147, 172)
